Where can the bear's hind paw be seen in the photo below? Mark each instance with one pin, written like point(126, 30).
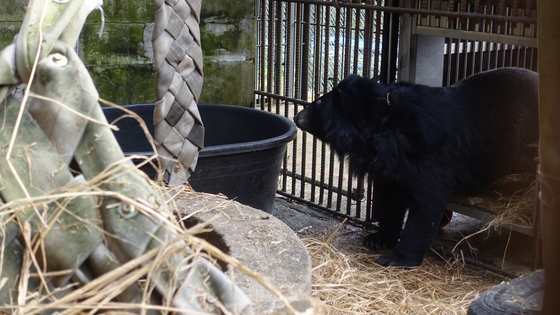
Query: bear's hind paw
point(377, 241)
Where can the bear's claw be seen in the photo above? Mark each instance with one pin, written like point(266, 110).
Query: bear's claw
point(377, 241)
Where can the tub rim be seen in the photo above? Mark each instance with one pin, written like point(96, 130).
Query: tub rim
point(239, 147)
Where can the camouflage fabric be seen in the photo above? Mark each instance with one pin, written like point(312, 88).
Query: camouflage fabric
point(79, 228)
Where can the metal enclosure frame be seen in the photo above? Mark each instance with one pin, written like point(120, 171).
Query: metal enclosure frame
point(304, 47)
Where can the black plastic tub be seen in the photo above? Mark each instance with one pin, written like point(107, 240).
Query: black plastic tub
point(242, 155)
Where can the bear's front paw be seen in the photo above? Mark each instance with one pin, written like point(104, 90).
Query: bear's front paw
point(378, 241)
point(396, 261)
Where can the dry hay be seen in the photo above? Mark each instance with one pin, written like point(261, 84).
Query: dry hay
point(347, 280)
point(511, 199)
point(97, 296)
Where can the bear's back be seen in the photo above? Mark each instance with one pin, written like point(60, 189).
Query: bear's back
point(503, 110)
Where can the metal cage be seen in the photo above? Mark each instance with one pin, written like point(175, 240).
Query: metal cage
point(305, 47)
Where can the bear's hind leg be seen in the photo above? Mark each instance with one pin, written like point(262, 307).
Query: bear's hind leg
point(423, 223)
point(390, 208)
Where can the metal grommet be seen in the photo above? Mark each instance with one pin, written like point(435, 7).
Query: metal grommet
point(126, 210)
point(177, 168)
point(59, 59)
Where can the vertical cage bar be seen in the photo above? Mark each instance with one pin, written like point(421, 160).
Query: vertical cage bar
point(525, 57)
point(389, 46)
point(287, 83)
point(278, 51)
point(347, 41)
point(504, 53)
point(518, 54)
point(334, 82)
point(357, 32)
point(349, 189)
point(509, 62)
point(496, 55)
point(369, 200)
point(514, 12)
point(474, 49)
point(338, 27)
point(262, 51)
point(447, 76)
point(465, 58)
point(532, 64)
point(477, 10)
point(331, 180)
point(326, 61)
point(368, 40)
point(457, 58)
point(316, 88)
point(304, 90)
point(359, 197)
point(296, 92)
point(340, 182)
point(482, 52)
point(378, 49)
point(450, 7)
point(337, 47)
point(270, 55)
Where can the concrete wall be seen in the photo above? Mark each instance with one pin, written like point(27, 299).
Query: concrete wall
point(121, 61)
point(228, 44)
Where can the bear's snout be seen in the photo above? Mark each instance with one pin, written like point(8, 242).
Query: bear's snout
point(302, 121)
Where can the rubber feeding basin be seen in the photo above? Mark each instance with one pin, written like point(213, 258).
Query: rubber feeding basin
point(242, 154)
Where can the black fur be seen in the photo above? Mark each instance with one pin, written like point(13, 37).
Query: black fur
point(420, 144)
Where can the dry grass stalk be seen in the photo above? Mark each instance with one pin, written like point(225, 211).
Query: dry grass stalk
point(97, 295)
point(348, 281)
point(511, 199)
point(345, 278)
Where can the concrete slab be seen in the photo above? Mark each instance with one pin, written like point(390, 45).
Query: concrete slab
point(258, 240)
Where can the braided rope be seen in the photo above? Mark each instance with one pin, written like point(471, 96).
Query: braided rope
point(179, 131)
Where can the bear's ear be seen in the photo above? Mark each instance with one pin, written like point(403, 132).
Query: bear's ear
point(350, 80)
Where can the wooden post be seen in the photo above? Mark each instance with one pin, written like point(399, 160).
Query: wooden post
point(549, 119)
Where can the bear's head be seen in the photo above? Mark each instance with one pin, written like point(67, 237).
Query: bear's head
point(347, 116)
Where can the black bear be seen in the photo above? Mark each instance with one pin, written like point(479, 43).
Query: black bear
point(422, 143)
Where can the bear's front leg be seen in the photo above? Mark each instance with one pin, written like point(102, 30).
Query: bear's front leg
point(421, 228)
point(389, 207)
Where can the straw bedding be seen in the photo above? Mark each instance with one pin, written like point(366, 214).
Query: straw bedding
point(347, 281)
point(511, 199)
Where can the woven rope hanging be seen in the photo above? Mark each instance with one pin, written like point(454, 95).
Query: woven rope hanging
point(179, 131)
